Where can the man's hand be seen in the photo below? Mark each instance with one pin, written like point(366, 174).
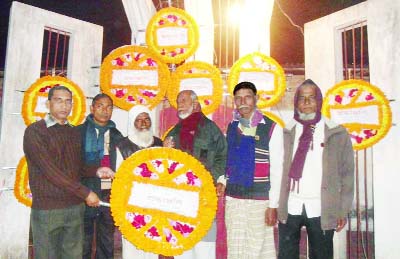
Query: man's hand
point(340, 224)
point(92, 200)
point(271, 216)
point(169, 142)
point(105, 173)
point(220, 189)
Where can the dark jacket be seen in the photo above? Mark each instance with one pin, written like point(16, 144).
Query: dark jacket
point(94, 183)
point(209, 146)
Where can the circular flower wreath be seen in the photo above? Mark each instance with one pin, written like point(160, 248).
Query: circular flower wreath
point(40, 89)
point(171, 18)
point(257, 62)
point(358, 94)
point(152, 229)
point(21, 186)
point(134, 58)
point(193, 70)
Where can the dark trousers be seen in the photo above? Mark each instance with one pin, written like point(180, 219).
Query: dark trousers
point(320, 242)
point(104, 224)
point(57, 233)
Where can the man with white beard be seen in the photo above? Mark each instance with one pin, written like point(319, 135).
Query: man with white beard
point(200, 137)
point(140, 136)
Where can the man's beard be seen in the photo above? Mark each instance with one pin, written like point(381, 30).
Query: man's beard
point(142, 138)
point(184, 115)
point(306, 116)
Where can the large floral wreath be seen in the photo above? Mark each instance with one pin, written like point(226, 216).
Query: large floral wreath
point(361, 108)
point(256, 65)
point(198, 71)
point(163, 200)
point(36, 95)
point(132, 76)
point(172, 34)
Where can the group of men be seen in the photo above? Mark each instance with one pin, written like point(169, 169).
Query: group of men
point(300, 175)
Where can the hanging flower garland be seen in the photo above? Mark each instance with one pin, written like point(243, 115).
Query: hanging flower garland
point(163, 200)
point(35, 97)
point(361, 108)
point(22, 191)
point(132, 76)
point(172, 35)
point(265, 72)
point(202, 78)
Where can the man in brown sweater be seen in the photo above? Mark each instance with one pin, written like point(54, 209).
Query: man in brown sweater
point(53, 152)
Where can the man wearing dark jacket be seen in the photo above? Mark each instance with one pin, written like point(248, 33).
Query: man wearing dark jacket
point(53, 151)
point(99, 136)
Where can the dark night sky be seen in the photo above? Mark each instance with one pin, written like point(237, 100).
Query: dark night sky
point(286, 40)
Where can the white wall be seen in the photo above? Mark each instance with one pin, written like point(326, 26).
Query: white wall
point(384, 57)
point(22, 68)
point(322, 45)
point(323, 60)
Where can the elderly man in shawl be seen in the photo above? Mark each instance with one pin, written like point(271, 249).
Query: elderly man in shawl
point(200, 137)
point(140, 136)
point(99, 136)
point(253, 172)
point(318, 177)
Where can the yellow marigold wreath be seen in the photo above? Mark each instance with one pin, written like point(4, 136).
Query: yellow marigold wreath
point(39, 91)
point(162, 231)
point(140, 62)
point(197, 70)
point(257, 62)
point(22, 191)
point(354, 96)
point(172, 18)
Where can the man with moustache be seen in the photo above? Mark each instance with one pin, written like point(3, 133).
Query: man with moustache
point(140, 136)
point(53, 151)
point(253, 177)
point(99, 137)
point(318, 177)
point(200, 137)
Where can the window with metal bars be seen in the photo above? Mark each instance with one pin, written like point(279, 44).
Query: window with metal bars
point(55, 52)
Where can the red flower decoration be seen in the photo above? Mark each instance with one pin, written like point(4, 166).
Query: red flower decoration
point(352, 92)
point(119, 62)
point(369, 97)
point(172, 168)
point(145, 170)
point(338, 99)
point(191, 178)
point(119, 93)
point(184, 229)
point(153, 231)
point(138, 221)
point(370, 133)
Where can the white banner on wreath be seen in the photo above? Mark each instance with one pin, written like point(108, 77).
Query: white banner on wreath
point(362, 115)
point(201, 86)
point(262, 80)
point(134, 77)
point(166, 199)
point(41, 104)
point(171, 36)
